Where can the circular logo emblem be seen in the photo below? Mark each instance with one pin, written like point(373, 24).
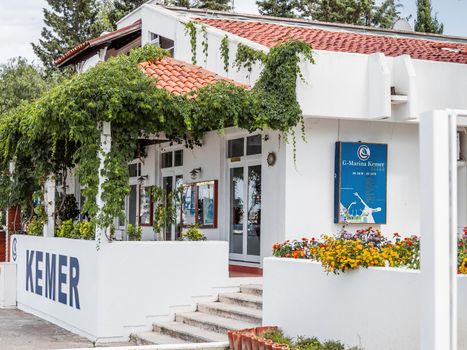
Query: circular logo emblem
point(363, 152)
point(13, 249)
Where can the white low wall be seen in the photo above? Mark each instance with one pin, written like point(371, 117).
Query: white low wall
point(121, 288)
point(375, 308)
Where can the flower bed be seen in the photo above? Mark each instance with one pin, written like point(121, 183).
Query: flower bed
point(365, 248)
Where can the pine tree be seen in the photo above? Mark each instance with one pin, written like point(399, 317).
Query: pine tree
point(67, 24)
point(277, 8)
point(121, 8)
point(426, 22)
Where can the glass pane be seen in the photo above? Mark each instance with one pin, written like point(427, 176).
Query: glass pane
point(178, 158)
point(166, 161)
point(133, 170)
point(132, 206)
point(189, 205)
point(254, 210)
point(167, 183)
point(253, 145)
point(236, 210)
point(235, 148)
point(178, 220)
point(144, 206)
point(206, 205)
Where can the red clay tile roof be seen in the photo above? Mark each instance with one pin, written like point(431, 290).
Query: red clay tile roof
point(270, 34)
point(99, 41)
point(178, 77)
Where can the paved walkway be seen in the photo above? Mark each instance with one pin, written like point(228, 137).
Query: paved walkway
point(22, 331)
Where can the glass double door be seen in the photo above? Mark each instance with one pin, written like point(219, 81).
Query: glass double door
point(245, 212)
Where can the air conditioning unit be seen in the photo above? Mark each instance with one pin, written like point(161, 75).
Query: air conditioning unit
point(7, 285)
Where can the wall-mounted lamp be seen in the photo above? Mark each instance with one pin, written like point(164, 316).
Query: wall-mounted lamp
point(142, 178)
point(195, 172)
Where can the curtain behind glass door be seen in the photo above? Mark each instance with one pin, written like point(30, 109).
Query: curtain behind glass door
point(236, 210)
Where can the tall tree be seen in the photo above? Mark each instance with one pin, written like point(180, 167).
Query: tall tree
point(120, 8)
point(67, 23)
point(20, 81)
point(278, 8)
point(426, 22)
point(218, 5)
point(386, 14)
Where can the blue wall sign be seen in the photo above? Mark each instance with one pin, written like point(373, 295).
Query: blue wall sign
point(55, 277)
point(360, 181)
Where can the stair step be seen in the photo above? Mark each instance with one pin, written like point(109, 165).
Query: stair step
point(254, 289)
point(246, 300)
point(189, 333)
point(155, 338)
point(212, 322)
point(232, 311)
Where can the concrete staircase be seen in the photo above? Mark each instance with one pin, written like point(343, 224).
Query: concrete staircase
point(211, 321)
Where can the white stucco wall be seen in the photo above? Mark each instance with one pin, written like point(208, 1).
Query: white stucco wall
point(114, 301)
point(309, 203)
point(375, 308)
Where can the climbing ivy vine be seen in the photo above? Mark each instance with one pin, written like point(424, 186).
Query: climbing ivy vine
point(246, 57)
point(225, 53)
point(190, 30)
point(204, 43)
point(62, 129)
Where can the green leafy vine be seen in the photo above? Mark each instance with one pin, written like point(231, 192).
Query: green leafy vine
point(225, 52)
point(190, 30)
point(62, 130)
point(204, 43)
point(246, 57)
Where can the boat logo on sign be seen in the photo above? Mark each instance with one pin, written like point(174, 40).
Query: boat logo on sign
point(13, 249)
point(363, 152)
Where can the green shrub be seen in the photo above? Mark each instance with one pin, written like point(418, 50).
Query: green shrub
point(85, 230)
point(278, 337)
point(193, 234)
point(134, 233)
point(303, 343)
point(35, 227)
point(67, 230)
point(36, 224)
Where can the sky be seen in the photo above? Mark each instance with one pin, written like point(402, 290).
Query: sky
point(21, 21)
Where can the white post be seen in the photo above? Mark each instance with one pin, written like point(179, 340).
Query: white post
point(106, 140)
point(49, 205)
point(438, 210)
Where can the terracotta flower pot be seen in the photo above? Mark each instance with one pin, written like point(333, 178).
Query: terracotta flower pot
point(246, 341)
point(268, 344)
point(237, 341)
point(261, 344)
point(254, 342)
point(259, 331)
point(230, 335)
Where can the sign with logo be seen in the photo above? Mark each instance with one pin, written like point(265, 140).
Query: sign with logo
point(360, 183)
point(14, 253)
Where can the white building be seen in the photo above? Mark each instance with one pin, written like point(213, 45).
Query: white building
point(367, 85)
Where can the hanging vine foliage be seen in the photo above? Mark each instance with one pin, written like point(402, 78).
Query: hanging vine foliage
point(225, 54)
point(190, 30)
point(204, 44)
point(62, 129)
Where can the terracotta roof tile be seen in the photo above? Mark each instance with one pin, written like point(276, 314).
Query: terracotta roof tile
point(270, 34)
point(179, 77)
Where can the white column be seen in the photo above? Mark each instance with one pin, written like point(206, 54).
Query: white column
point(438, 205)
point(106, 140)
point(49, 205)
